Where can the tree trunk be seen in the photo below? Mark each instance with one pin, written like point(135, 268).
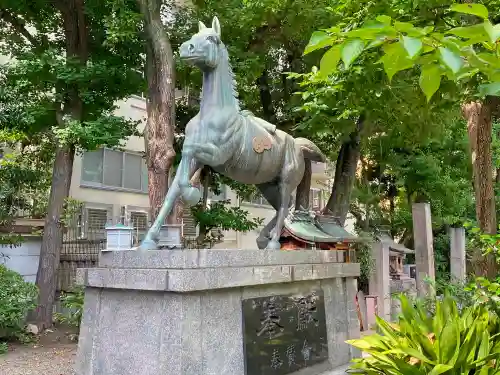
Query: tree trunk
point(159, 132)
point(265, 97)
point(479, 126)
point(75, 32)
point(345, 174)
point(46, 278)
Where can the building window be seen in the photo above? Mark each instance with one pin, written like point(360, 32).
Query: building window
point(259, 199)
point(115, 169)
point(139, 220)
point(95, 220)
point(315, 201)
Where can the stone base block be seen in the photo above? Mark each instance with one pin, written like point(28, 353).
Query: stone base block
point(179, 312)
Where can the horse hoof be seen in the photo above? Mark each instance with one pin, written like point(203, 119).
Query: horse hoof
point(273, 245)
point(148, 245)
point(191, 196)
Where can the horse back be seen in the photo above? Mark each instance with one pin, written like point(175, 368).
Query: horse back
point(259, 155)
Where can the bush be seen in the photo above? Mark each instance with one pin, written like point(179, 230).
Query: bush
point(73, 302)
point(447, 342)
point(17, 298)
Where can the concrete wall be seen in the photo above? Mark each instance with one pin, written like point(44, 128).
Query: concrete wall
point(23, 259)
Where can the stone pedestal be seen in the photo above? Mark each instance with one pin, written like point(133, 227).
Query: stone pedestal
point(180, 312)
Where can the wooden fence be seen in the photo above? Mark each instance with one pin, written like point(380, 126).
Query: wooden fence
point(82, 243)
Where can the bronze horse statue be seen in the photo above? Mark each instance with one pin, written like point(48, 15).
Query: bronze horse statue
point(233, 142)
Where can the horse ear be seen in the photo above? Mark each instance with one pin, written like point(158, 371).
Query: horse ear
point(201, 26)
point(216, 25)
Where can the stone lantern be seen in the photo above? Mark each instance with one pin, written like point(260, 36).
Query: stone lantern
point(118, 237)
point(170, 236)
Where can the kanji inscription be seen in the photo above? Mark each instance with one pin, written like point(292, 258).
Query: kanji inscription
point(283, 334)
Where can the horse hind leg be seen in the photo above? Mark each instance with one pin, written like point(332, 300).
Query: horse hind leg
point(270, 191)
point(291, 175)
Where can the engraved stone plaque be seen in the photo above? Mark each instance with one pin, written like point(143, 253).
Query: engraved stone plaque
point(283, 334)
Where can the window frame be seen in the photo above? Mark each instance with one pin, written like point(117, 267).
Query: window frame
point(103, 186)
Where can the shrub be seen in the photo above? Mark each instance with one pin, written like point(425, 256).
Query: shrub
point(447, 342)
point(73, 302)
point(17, 298)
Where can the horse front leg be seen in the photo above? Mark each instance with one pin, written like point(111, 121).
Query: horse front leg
point(186, 167)
point(264, 235)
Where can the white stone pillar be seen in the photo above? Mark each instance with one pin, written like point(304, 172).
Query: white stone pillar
point(457, 254)
point(380, 278)
point(424, 247)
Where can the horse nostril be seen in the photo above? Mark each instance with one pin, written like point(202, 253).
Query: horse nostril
point(191, 48)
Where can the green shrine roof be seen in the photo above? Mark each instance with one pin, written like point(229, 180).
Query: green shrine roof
point(317, 229)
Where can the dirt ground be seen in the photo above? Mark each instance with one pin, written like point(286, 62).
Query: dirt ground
point(53, 354)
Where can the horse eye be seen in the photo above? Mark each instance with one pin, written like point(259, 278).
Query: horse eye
point(212, 39)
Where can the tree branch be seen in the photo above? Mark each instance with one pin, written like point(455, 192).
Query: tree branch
point(19, 25)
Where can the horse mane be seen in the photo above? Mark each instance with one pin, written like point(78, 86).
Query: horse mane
point(224, 59)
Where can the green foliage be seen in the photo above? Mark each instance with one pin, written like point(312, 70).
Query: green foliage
point(461, 54)
point(219, 216)
point(17, 298)
point(486, 293)
point(24, 183)
point(365, 259)
point(73, 303)
point(42, 81)
point(488, 243)
point(446, 342)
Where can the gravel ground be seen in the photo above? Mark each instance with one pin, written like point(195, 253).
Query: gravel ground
point(39, 360)
point(52, 354)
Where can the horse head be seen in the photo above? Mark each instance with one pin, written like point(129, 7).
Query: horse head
point(204, 48)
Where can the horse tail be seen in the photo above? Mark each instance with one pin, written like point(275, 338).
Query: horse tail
point(310, 150)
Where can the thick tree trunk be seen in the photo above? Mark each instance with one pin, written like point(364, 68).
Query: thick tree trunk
point(46, 279)
point(345, 175)
point(160, 153)
point(479, 126)
point(266, 98)
point(302, 194)
point(75, 31)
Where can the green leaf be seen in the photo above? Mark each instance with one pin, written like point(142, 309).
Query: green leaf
point(475, 32)
point(330, 60)
point(493, 31)
point(440, 369)
point(395, 60)
point(403, 26)
point(384, 19)
point(430, 80)
point(492, 89)
point(451, 59)
point(351, 50)
point(363, 33)
point(319, 39)
point(412, 45)
point(478, 10)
